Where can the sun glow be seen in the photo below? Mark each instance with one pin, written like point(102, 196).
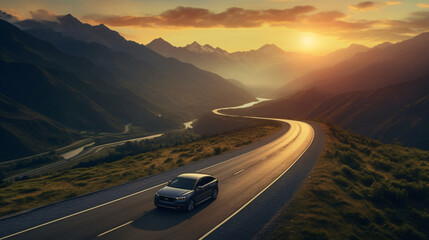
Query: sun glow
point(308, 42)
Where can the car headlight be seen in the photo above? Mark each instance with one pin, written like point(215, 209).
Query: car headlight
point(156, 194)
point(181, 198)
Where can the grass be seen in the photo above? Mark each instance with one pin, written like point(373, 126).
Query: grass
point(9, 169)
point(41, 190)
point(359, 189)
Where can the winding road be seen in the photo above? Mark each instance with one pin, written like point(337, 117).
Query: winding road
point(254, 182)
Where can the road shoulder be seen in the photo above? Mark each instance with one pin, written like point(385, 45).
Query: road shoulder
point(248, 222)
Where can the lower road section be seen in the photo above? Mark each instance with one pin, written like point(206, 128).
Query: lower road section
point(245, 177)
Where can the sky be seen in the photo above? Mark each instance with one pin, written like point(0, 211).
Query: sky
point(311, 26)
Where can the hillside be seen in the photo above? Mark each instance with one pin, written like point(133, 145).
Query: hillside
point(123, 164)
point(358, 189)
point(86, 93)
point(139, 69)
point(67, 89)
point(394, 113)
point(262, 70)
point(25, 131)
point(381, 66)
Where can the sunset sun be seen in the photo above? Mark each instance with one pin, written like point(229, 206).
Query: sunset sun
point(308, 42)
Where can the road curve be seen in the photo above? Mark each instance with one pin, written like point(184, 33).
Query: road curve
point(127, 211)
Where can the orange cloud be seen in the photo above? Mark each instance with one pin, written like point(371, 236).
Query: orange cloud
point(392, 30)
point(423, 5)
point(203, 18)
point(305, 18)
point(392, 3)
point(364, 6)
point(43, 15)
point(370, 5)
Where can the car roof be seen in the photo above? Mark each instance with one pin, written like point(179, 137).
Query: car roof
point(195, 176)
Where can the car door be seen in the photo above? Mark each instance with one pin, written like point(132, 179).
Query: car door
point(202, 191)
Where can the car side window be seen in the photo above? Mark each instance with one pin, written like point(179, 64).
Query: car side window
point(200, 182)
point(203, 181)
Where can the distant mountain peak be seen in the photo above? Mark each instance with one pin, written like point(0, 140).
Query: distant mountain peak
point(208, 46)
point(383, 45)
point(270, 48)
point(7, 17)
point(355, 46)
point(348, 52)
point(102, 26)
point(196, 47)
point(69, 19)
point(159, 43)
point(194, 43)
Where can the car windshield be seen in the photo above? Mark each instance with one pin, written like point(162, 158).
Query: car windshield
point(184, 183)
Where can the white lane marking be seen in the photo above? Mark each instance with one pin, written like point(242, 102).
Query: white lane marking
point(218, 163)
point(104, 204)
point(119, 199)
point(237, 157)
point(239, 171)
point(83, 211)
point(263, 190)
point(202, 169)
point(113, 229)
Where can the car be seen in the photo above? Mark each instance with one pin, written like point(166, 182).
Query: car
point(186, 191)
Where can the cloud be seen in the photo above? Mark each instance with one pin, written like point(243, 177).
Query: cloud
point(423, 5)
point(304, 18)
point(43, 15)
point(370, 5)
point(392, 30)
point(364, 6)
point(388, 3)
point(203, 18)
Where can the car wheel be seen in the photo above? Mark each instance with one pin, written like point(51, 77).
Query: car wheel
point(214, 193)
point(191, 205)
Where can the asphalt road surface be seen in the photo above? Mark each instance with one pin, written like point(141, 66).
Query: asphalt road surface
point(246, 176)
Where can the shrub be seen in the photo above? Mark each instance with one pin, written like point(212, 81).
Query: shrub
point(381, 165)
point(217, 150)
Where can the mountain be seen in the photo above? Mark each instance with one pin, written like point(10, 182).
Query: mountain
point(140, 70)
point(345, 53)
point(262, 70)
point(379, 67)
point(7, 17)
point(383, 45)
point(394, 113)
point(67, 89)
point(78, 86)
point(381, 93)
point(25, 131)
point(71, 26)
point(54, 96)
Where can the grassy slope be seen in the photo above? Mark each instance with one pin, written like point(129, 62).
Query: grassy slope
point(359, 189)
point(29, 193)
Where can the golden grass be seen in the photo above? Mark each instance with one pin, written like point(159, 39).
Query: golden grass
point(29, 193)
point(359, 189)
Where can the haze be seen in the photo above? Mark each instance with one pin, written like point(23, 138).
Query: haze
point(311, 26)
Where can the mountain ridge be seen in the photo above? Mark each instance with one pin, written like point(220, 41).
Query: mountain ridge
point(375, 68)
point(75, 92)
point(261, 70)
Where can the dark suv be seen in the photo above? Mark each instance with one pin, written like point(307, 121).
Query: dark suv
point(186, 191)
